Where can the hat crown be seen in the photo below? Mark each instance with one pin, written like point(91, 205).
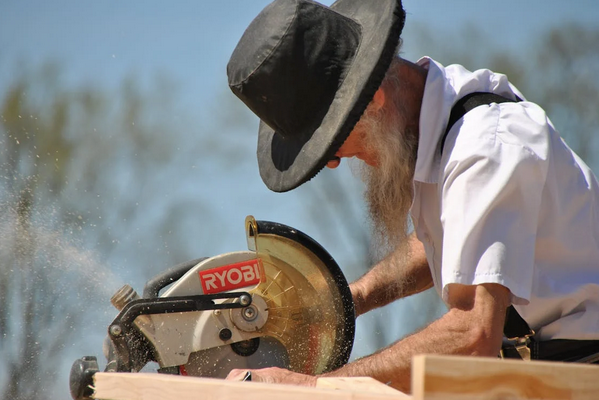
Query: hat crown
point(290, 62)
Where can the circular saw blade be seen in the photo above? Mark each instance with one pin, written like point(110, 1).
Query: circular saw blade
point(310, 307)
point(311, 321)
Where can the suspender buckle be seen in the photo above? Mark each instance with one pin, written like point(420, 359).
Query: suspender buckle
point(521, 345)
point(522, 348)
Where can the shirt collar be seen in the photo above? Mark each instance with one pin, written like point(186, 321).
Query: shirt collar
point(438, 97)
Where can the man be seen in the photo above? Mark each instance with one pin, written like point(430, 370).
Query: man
point(504, 212)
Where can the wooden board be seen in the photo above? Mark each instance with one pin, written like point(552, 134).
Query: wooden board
point(151, 386)
point(468, 378)
point(433, 378)
point(359, 384)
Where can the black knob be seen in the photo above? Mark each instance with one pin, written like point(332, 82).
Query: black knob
point(225, 334)
point(82, 378)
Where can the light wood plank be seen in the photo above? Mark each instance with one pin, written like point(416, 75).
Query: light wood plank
point(152, 386)
point(466, 378)
point(359, 384)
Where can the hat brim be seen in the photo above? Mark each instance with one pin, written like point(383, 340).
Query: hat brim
point(382, 22)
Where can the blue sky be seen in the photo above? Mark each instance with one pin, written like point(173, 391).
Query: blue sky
point(101, 41)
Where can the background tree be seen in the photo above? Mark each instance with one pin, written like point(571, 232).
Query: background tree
point(559, 71)
point(34, 154)
point(63, 192)
point(565, 80)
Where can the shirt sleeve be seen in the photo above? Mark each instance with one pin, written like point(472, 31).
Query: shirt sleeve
point(493, 180)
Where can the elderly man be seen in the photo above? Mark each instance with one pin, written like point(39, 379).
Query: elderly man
point(505, 214)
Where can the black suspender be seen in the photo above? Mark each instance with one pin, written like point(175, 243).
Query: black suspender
point(469, 102)
point(515, 326)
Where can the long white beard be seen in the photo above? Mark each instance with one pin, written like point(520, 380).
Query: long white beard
point(389, 185)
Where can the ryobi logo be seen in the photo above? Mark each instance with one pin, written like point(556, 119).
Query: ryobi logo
point(232, 276)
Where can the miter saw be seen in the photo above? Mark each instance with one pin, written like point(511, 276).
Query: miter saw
point(283, 303)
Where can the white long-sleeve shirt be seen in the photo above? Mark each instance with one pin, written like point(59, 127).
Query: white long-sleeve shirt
point(507, 202)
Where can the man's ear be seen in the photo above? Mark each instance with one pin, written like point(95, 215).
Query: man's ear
point(379, 99)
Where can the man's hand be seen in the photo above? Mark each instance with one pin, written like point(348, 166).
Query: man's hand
point(472, 326)
point(273, 375)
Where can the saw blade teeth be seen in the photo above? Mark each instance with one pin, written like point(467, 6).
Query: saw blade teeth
point(283, 292)
point(273, 280)
point(277, 329)
point(285, 308)
point(279, 317)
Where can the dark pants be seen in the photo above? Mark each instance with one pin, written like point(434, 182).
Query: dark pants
point(583, 351)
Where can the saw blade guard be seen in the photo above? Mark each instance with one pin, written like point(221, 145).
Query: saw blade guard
point(301, 316)
point(310, 307)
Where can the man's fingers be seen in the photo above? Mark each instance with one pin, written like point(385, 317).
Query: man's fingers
point(238, 375)
point(272, 375)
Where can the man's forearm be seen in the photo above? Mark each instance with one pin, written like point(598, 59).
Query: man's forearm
point(469, 328)
point(398, 275)
point(392, 365)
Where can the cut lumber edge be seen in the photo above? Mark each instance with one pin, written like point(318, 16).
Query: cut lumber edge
point(358, 384)
point(148, 386)
point(461, 377)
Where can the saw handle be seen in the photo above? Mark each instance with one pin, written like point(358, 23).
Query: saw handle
point(130, 348)
point(81, 378)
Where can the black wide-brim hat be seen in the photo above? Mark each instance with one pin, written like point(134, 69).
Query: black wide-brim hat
point(308, 72)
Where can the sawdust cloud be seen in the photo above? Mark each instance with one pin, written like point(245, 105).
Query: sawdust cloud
point(55, 250)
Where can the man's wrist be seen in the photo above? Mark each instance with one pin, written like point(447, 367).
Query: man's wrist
point(358, 298)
